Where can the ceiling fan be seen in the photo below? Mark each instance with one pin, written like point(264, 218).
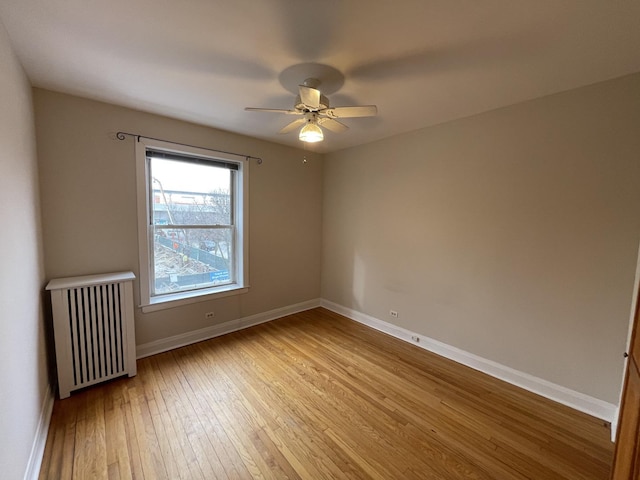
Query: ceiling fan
point(316, 111)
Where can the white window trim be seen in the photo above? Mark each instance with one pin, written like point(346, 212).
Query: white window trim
point(151, 304)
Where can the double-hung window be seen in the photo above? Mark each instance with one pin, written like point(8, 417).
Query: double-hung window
point(192, 224)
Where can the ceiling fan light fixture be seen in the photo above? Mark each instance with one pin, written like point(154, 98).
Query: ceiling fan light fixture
point(311, 133)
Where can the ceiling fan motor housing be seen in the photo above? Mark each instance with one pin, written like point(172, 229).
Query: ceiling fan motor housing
point(311, 117)
point(302, 108)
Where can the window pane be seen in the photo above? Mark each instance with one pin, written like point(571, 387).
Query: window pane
point(192, 258)
point(190, 194)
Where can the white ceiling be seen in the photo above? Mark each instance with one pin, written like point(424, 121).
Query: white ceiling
point(422, 62)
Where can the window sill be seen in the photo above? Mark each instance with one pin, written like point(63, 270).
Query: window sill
point(185, 298)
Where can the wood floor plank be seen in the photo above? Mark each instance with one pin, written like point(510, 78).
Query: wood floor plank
point(240, 429)
point(144, 434)
point(118, 460)
point(447, 457)
point(352, 407)
point(60, 445)
point(201, 436)
point(133, 447)
point(180, 460)
point(313, 396)
point(206, 405)
point(300, 444)
point(321, 396)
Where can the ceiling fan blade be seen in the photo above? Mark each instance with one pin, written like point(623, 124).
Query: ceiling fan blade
point(293, 125)
point(273, 110)
point(310, 97)
point(333, 125)
point(350, 112)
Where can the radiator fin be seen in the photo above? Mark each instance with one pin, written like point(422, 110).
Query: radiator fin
point(95, 324)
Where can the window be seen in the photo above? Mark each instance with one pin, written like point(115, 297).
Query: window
point(192, 224)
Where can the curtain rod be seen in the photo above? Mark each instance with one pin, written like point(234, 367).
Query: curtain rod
point(122, 136)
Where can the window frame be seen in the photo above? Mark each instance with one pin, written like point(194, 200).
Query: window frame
point(240, 212)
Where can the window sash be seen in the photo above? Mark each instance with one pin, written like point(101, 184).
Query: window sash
point(201, 282)
point(183, 158)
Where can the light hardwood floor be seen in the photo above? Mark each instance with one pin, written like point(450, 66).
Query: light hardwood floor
point(315, 395)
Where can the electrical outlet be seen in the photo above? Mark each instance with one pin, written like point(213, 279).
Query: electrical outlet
point(393, 313)
point(415, 338)
point(209, 315)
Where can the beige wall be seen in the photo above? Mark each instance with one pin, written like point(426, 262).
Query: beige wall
point(89, 207)
point(23, 369)
point(512, 234)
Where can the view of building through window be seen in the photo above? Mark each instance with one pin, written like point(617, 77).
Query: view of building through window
point(192, 218)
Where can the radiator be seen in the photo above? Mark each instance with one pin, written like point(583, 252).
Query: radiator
point(93, 328)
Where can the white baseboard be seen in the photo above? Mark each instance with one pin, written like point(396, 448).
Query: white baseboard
point(40, 438)
point(614, 424)
point(166, 344)
point(576, 400)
